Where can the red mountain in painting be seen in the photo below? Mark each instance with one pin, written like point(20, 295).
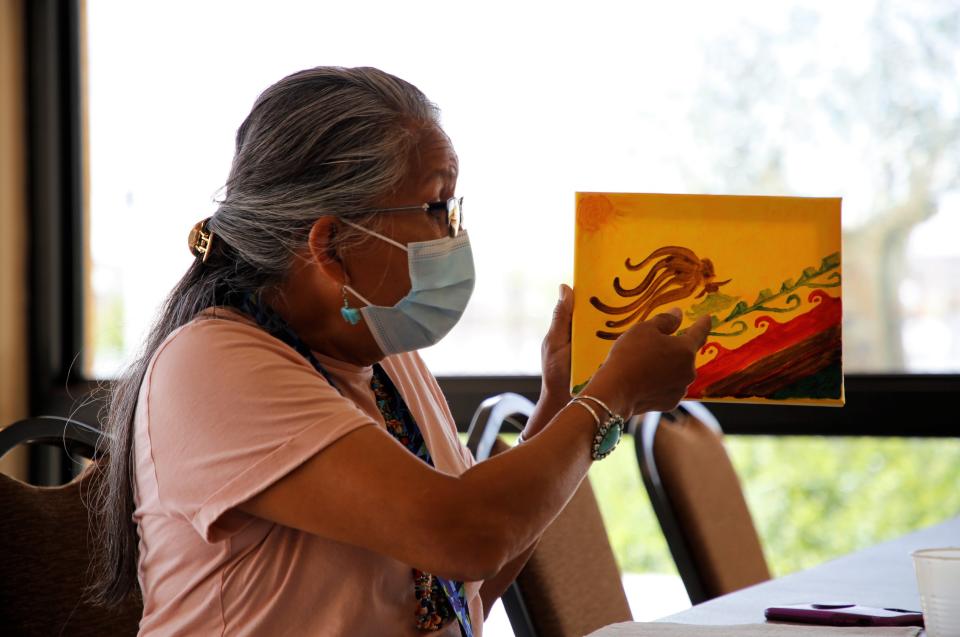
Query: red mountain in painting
point(784, 355)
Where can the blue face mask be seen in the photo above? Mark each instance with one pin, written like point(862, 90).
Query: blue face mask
point(441, 282)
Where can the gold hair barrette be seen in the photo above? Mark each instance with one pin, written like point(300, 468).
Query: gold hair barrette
point(200, 240)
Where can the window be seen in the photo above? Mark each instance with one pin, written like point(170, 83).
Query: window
point(858, 100)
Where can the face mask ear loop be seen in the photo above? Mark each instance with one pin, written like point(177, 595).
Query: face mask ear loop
point(355, 293)
point(377, 235)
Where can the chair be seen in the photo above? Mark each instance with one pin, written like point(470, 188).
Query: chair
point(699, 502)
point(571, 584)
point(47, 538)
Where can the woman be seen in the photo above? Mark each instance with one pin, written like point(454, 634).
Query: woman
point(281, 460)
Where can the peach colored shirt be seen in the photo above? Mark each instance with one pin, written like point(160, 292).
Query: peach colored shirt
point(225, 411)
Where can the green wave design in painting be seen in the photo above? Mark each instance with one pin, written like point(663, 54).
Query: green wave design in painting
point(810, 278)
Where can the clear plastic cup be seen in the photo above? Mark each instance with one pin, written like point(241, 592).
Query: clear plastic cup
point(938, 578)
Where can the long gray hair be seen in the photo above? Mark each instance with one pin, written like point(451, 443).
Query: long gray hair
point(326, 140)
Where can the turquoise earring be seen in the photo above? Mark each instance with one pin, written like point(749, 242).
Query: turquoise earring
point(350, 314)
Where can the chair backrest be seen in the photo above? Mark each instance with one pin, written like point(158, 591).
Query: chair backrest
point(47, 544)
point(571, 585)
point(75, 436)
point(699, 502)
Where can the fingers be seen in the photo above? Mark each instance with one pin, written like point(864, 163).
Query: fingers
point(698, 332)
point(668, 322)
point(559, 332)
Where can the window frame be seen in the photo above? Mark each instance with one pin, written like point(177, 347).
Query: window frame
point(900, 405)
point(55, 224)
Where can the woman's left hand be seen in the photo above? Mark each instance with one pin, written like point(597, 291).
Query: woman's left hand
point(555, 350)
point(555, 362)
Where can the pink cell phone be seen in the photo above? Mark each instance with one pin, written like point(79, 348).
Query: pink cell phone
point(842, 614)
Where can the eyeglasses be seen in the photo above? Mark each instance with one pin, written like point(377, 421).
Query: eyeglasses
point(453, 207)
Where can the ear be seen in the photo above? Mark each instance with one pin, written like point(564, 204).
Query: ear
point(322, 242)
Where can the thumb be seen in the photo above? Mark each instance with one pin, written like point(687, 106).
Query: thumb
point(698, 332)
point(668, 322)
point(559, 332)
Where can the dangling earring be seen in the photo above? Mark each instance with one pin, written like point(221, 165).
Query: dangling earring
point(350, 314)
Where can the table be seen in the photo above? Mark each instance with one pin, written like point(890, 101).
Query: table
point(880, 576)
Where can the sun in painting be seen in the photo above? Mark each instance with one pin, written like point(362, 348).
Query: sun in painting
point(594, 212)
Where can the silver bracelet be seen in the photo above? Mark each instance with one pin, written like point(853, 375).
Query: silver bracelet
point(601, 403)
point(576, 401)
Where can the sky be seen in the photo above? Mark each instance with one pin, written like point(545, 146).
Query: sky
point(540, 99)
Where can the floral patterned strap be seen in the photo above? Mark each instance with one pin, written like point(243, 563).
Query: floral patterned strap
point(439, 600)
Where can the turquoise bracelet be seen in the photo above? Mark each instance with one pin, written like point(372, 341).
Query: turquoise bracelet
point(609, 431)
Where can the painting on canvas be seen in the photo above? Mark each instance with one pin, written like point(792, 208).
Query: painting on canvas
point(766, 269)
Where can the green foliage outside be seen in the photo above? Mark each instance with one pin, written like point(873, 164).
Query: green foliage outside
point(812, 498)
point(108, 321)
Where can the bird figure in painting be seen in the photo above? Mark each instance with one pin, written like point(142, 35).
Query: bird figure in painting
point(675, 273)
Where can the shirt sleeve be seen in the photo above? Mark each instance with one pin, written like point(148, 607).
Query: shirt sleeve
point(230, 411)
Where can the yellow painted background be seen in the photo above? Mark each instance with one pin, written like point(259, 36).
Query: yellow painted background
point(758, 242)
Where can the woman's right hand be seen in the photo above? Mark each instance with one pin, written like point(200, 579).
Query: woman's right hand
point(649, 368)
